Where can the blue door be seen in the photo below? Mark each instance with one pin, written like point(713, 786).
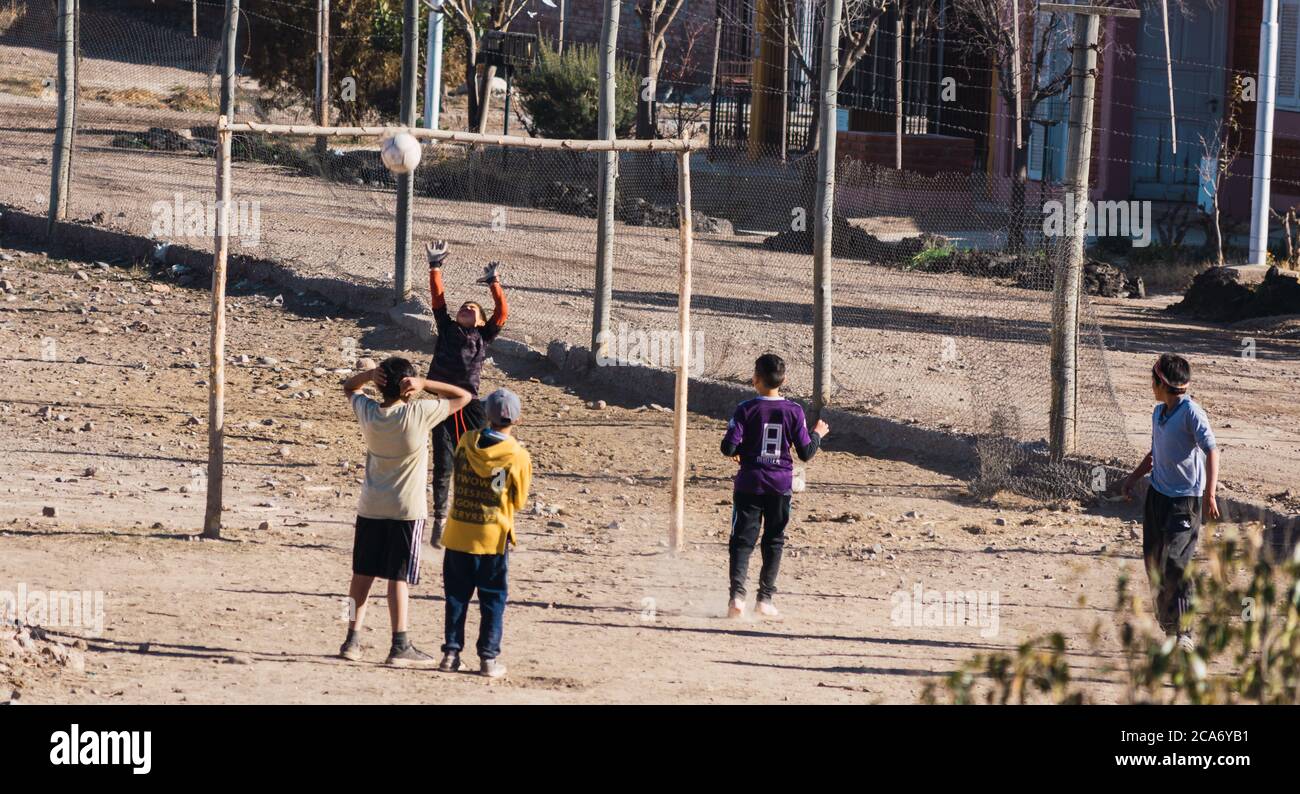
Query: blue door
point(1197, 42)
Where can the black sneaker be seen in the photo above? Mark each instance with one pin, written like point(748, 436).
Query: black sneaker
point(351, 650)
point(450, 663)
point(410, 656)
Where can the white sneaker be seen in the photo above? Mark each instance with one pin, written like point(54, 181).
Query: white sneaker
point(766, 609)
point(736, 608)
point(491, 668)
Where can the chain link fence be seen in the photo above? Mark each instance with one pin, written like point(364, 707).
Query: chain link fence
point(940, 321)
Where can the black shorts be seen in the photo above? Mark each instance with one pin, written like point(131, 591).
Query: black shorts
point(387, 548)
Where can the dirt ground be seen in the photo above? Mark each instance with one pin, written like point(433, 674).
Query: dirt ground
point(106, 423)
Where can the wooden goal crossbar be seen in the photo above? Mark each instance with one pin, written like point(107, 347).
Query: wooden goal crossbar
point(221, 251)
point(453, 136)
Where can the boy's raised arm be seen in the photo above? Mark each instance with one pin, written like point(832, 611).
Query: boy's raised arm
point(456, 397)
point(437, 254)
point(359, 380)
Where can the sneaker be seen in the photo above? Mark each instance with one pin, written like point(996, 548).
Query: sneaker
point(1186, 642)
point(350, 650)
point(491, 668)
point(410, 656)
point(435, 532)
point(766, 609)
point(736, 608)
point(450, 663)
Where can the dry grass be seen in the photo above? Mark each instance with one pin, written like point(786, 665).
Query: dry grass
point(180, 98)
point(11, 11)
point(186, 99)
point(22, 86)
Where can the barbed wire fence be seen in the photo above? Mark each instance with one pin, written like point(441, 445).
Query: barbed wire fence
point(938, 322)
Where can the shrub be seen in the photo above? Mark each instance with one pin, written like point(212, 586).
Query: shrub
point(561, 94)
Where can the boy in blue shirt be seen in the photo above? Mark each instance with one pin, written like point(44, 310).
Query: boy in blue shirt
point(1184, 467)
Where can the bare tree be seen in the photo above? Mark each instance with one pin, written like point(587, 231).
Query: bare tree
point(1220, 153)
point(1027, 76)
point(655, 17)
point(679, 72)
point(473, 19)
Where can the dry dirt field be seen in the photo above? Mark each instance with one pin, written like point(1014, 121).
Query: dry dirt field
point(106, 424)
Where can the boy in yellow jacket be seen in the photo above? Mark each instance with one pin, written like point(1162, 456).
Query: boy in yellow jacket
point(492, 472)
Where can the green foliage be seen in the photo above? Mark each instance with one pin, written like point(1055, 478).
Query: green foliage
point(931, 256)
point(561, 94)
point(365, 45)
point(1245, 621)
point(1038, 668)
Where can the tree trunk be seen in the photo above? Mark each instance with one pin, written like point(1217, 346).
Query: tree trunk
point(471, 80)
point(647, 91)
point(485, 98)
point(1020, 165)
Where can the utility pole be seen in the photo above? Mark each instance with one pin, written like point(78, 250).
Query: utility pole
point(230, 31)
point(823, 220)
point(1265, 101)
point(608, 185)
point(1063, 418)
point(322, 74)
point(406, 182)
point(564, 12)
point(66, 124)
point(433, 68)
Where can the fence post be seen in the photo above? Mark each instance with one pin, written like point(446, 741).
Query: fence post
point(322, 72)
point(608, 185)
point(824, 219)
point(66, 125)
point(1063, 414)
point(230, 32)
point(406, 182)
point(217, 341)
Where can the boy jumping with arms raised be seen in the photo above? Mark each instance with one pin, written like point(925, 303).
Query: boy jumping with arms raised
point(393, 507)
point(759, 436)
point(1184, 467)
point(458, 359)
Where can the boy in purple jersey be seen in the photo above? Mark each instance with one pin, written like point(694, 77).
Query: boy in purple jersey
point(759, 436)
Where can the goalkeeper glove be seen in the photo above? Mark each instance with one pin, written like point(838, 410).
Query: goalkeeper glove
point(436, 252)
point(490, 273)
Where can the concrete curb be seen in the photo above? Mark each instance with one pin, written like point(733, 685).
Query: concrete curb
point(707, 396)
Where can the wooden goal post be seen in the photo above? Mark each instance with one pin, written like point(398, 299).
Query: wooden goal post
point(221, 252)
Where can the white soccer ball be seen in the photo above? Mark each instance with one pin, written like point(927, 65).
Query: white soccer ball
point(401, 153)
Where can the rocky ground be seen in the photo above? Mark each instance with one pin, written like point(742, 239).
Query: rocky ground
point(102, 463)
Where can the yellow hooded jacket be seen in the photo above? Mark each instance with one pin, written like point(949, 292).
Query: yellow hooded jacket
point(491, 483)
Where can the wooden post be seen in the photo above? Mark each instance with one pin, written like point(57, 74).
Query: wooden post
point(322, 72)
point(607, 187)
point(1067, 283)
point(406, 182)
point(194, 19)
point(677, 529)
point(217, 340)
point(230, 32)
point(824, 212)
point(66, 124)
